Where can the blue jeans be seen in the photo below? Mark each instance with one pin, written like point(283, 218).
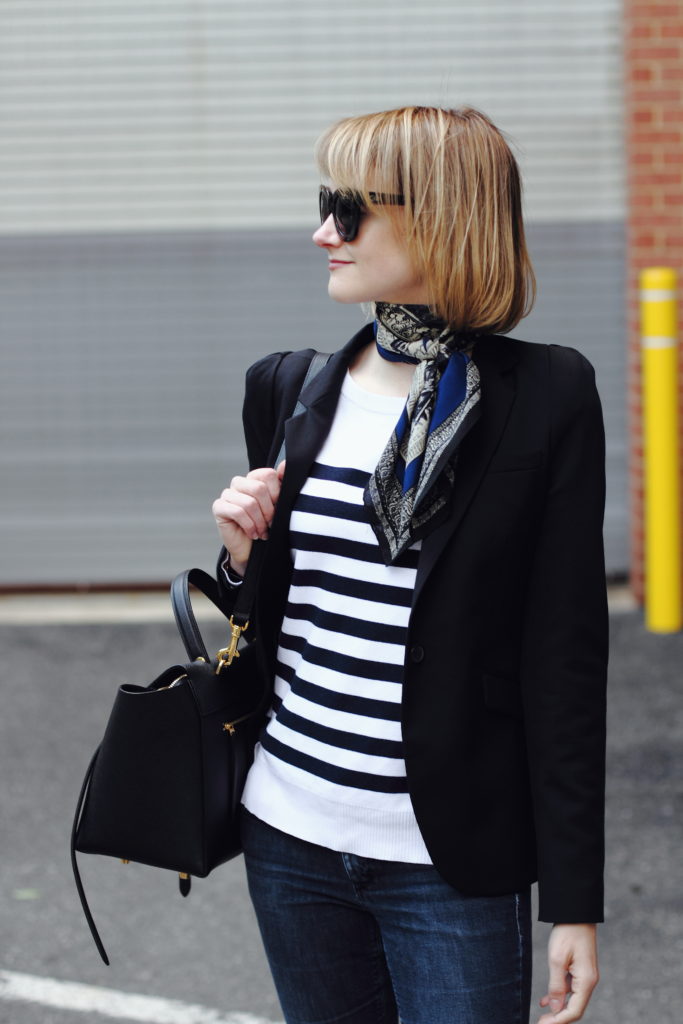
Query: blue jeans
point(353, 940)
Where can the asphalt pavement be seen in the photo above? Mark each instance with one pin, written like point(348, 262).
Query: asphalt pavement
point(200, 958)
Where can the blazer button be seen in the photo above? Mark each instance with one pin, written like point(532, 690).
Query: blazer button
point(417, 653)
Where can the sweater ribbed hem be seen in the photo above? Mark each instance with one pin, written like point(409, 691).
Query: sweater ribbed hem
point(278, 794)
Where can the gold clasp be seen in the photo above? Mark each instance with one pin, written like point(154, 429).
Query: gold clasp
point(226, 654)
point(229, 727)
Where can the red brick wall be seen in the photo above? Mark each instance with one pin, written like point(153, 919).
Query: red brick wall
point(653, 64)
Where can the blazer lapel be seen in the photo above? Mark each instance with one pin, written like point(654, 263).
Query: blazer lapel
point(495, 358)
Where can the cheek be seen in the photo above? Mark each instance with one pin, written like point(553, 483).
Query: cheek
point(392, 252)
point(400, 269)
point(397, 263)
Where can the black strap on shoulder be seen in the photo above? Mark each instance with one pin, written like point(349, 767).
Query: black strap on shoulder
point(241, 610)
point(247, 591)
point(317, 363)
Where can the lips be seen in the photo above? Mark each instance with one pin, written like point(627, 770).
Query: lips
point(339, 263)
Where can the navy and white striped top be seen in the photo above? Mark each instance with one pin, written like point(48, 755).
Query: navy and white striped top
point(329, 767)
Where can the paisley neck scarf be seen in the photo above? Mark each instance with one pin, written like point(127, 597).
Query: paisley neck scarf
point(410, 490)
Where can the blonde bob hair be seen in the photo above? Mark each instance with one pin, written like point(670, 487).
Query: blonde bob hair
point(462, 217)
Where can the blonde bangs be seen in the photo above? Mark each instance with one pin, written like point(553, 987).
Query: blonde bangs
point(357, 154)
point(462, 218)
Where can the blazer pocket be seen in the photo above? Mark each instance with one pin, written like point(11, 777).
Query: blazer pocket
point(514, 462)
point(502, 695)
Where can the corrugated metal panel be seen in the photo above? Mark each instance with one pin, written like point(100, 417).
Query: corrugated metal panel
point(128, 116)
point(157, 193)
point(580, 272)
point(120, 397)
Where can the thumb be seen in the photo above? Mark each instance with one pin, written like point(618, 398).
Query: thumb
point(281, 470)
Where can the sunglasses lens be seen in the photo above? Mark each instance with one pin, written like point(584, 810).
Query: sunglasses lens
point(325, 203)
point(345, 209)
point(346, 216)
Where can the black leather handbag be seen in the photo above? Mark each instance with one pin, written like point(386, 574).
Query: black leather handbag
point(164, 786)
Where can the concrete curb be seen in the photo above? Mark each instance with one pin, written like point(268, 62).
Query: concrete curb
point(149, 606)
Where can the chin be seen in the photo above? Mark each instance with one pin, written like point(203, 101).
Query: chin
point(345, 295)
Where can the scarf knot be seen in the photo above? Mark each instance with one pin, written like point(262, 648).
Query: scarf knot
point(411, 487)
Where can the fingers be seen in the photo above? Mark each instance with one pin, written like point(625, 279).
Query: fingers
point(573, 1011)
point(248, 504)
point(271, 478)
point(243, 511)
point(559, 983)
point(556, 997)
point(573, 967)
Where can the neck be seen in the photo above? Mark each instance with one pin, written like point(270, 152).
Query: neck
point(377, 375)
point(413, 331)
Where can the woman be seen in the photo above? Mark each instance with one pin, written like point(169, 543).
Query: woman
point(431, 610)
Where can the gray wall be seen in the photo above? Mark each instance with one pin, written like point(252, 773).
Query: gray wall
point(157, 194)
point(118, 115)
point(123, 359)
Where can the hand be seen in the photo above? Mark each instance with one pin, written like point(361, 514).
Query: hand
point(573, 963)
point(245, 510)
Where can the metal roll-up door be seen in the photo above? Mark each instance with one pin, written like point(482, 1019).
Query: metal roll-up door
point(157, 195)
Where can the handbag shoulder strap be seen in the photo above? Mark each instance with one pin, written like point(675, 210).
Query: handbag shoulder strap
point(247, 591)
point(241, 610)
point(317, 363)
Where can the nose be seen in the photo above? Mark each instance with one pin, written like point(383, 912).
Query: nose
point(326, 235)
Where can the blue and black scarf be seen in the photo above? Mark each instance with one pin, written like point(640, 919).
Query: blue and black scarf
point(413, 480)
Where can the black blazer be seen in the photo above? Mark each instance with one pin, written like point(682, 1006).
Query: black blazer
point(503, 710)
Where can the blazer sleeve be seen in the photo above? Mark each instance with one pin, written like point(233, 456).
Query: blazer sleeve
point(564, 651)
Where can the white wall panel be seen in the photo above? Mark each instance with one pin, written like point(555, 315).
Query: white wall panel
point(203, 113)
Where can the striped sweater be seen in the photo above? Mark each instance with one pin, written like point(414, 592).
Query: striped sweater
point(329, 767)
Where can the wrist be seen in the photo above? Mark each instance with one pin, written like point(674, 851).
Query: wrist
point(234, 570)
point(237, 567)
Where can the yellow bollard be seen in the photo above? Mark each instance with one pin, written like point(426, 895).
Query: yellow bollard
point(663, 612)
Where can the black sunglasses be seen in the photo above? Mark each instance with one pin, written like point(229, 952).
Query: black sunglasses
point(347, 208)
